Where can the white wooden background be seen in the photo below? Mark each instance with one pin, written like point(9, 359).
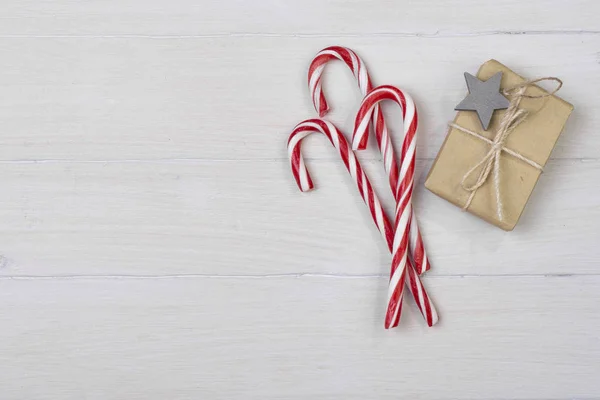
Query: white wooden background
point(154, 245)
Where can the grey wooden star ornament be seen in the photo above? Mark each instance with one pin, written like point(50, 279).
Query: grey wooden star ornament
point(484, 97)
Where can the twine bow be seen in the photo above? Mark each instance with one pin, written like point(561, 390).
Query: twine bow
point(491, 161)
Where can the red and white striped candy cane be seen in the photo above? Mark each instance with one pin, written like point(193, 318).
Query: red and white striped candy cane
point(405, 189)
point(370, 198)
point(384, 142)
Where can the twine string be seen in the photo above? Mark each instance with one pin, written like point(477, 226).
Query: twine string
point(491, 160)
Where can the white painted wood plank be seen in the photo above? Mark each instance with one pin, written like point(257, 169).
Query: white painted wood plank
point(238, 98)
point(248, 218)
point(297, 338)
point(174, 116)
point(188, 17)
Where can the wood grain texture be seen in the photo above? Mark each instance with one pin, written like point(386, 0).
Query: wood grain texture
point(238, 98)
point(316, 17)
point(248, 218)
point(297, 338)
point(153, 243)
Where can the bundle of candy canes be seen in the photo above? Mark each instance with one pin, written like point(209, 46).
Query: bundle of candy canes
point(403, 238)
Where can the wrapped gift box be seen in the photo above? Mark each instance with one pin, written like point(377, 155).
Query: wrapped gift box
point(534, 139)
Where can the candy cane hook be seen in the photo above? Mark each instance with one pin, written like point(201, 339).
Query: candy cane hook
point(304, 180)
point(305, 183)
point(352, 60)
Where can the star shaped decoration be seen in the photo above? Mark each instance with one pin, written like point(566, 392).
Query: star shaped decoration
point(484, 97)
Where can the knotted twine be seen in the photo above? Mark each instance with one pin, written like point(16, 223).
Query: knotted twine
point(491, 161)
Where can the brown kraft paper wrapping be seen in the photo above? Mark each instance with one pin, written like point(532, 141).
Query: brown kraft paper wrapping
point(533, 138)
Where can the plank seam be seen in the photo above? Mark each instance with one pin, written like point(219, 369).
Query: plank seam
point(423, 35)
point(279, 276)
point(194, 160)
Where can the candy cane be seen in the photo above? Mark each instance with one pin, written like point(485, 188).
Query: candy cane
point(384, 142)
point(405, 189)
point(370, 198)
